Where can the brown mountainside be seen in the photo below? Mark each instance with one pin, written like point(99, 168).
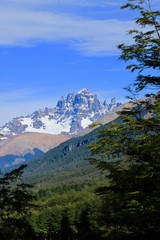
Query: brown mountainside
point(25, 143)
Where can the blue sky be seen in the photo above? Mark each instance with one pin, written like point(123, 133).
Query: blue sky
point(49, 48)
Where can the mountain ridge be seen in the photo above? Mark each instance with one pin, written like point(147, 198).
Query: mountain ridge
point(68, 162)
point(69, 117)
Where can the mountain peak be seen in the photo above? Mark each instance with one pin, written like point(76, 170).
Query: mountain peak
point(71, 115)
point(83, 91)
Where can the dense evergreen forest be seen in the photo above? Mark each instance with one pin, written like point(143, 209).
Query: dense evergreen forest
point(123, 205)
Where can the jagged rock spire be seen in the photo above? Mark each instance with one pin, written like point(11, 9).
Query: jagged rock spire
point(70, 116)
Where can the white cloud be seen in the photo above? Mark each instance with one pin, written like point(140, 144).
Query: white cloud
point(73, 3)
point(24, 27)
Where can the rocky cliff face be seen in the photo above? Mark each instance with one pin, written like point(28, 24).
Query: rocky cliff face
point(71, 115)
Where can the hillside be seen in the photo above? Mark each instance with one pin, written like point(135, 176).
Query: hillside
point(27, 146)
point(65, 164)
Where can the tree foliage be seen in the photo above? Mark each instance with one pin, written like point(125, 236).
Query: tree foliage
point(129, 151)
point(15, 206)
point(68, 214)
point(144, 53)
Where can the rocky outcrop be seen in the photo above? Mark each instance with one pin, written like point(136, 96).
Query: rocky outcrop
point(70, 116)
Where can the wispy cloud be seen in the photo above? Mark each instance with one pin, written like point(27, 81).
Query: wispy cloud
point(25, 26)
point(16, 95)
point(73, 3)
point(115, 69)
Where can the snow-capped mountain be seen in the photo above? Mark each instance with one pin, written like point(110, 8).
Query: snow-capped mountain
point(70, 116)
